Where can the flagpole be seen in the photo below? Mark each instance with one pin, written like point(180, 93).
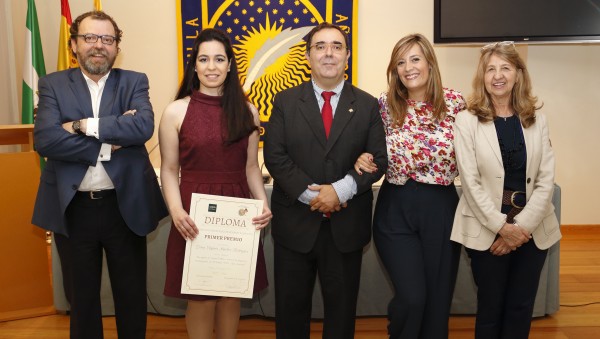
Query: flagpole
point(97, 5)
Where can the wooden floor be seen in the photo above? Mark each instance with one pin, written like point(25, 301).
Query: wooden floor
point(579, 286)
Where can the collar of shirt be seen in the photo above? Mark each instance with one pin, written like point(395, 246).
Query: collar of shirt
point(334, 99)
point(96, 90)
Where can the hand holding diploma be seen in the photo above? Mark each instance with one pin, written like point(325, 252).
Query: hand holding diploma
point(221, 258)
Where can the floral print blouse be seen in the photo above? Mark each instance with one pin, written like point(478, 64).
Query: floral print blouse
point(421, 149)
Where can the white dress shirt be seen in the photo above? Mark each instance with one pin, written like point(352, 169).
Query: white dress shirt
point(96, 177)
point(346, 187)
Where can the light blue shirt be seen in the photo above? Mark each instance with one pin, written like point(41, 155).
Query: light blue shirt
point(346, 187)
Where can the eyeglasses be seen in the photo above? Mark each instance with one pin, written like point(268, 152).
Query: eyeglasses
point(499, 43)
point(321, 47)
point(92, 38)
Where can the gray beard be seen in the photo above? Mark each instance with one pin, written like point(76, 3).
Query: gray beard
point(98, 69)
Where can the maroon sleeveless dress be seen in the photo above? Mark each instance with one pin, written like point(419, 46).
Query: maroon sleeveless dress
point(210, 167)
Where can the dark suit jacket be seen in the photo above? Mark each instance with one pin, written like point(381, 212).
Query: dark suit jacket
point(64, 96)
point(297, 154)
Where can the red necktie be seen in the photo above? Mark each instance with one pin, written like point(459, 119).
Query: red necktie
point(327, 112)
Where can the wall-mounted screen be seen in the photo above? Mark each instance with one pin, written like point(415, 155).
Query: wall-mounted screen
point(462, 21)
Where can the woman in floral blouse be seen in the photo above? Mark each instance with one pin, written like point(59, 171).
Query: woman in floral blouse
point(416, 204)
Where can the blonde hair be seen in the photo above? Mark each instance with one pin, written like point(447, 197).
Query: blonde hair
point(522, 101)
point(397, 94)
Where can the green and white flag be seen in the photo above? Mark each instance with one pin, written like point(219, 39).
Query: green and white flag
point(33, 66)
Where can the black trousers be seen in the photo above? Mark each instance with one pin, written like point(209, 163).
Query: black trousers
point(506, 290)
point(411, 230)
point(295, 276)
point(95, 225)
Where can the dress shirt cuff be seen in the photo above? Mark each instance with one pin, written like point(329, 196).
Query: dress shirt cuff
point(105, 152)
point(92, 128)
point(308, 195)
point(345, 188)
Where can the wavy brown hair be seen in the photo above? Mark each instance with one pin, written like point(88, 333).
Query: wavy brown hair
point(522, 101)
point(397, 94)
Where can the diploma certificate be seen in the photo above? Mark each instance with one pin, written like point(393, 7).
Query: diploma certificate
point(221, 260)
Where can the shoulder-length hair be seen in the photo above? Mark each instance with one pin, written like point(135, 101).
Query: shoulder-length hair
point(522, 101)
point(397, 94)
point(238, 120)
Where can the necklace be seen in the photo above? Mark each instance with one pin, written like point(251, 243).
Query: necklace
point(506, 117)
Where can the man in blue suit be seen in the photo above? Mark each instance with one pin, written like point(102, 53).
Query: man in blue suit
point(98, 190)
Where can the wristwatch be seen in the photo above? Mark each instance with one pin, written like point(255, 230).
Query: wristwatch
point(77, 127)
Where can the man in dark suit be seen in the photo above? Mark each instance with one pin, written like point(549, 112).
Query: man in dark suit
point(321, 206)
point(98, 190)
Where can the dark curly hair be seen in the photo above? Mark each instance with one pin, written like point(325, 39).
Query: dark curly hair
point(96, 15)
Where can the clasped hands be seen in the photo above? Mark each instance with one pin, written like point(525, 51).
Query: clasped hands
point(511, 237)
point(327, 201)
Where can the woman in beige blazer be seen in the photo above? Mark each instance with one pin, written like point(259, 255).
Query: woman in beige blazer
point(505, 217)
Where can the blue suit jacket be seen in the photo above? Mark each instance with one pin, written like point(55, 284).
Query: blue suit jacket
point(64, 96)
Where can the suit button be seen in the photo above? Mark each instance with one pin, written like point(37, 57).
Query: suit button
point(528, 180)
point(74, 187)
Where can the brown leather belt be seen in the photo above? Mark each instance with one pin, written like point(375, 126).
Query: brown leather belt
point(508, 199)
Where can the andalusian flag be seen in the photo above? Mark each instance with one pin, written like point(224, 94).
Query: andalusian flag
point(97, 5)
point(66, 59)
point(33, 67)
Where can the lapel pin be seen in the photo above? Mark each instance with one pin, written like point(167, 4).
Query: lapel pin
point(351, 110)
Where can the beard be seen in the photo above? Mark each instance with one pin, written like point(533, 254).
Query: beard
point(97, 68)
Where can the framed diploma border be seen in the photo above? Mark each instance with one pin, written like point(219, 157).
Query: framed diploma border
point(221, 260)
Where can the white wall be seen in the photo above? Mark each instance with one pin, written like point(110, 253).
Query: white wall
point(565, 77)
point(8, 88)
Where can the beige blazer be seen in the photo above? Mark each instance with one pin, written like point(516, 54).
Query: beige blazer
point(478, 218)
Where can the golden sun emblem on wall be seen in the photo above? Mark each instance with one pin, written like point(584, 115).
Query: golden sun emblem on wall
point(267, 38)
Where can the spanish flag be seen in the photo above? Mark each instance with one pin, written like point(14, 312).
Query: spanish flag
point(65, 57)
point(97, 5)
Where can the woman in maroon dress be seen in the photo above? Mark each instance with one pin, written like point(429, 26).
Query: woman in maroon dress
point(210, 133)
